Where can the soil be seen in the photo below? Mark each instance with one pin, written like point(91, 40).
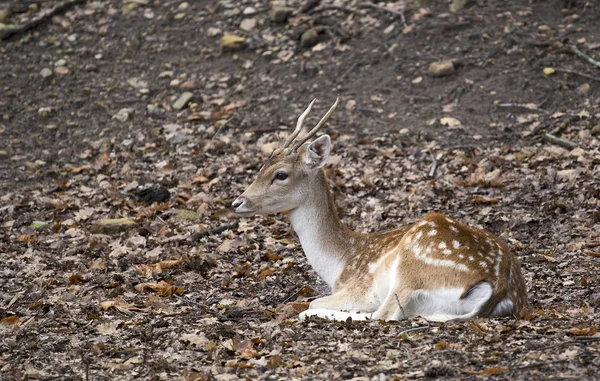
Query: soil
point(185, 289)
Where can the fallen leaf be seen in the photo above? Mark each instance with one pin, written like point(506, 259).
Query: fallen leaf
point(162, 288)
point(265, 273)
point(583, 331)
point(155, 268)
point(450, 122)
point(199, 340)
point(10, 321)
point(483, 200)
point(121, 306)
point(488, 371)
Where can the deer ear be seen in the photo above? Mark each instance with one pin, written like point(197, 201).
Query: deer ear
point(318, 151)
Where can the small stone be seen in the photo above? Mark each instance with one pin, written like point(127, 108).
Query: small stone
point(5, 15)
point(232, 12)
point(596, 130)
point(122, 115)
point(60, 62)
point(72, 37)
point(183, 100)
point(232, 42)
point(544, 28)
point(583, 90)
point(51, 127)
point(441, 68)
point(179, 138)
point(189, 85)
point(129, 7)
point(61, 70)
point(458, 5)
point(152, 194)
point(186, 215)
point(281, 14)
point(38, 224)
point(43, 112)
point(45, 72)
point(309, 38)
point(249, 11)
point(174, 83)
point(549, 71)
point(183, 6)
point(179, 16)
point(112, 226)
point(247, 24)
point(155, 111)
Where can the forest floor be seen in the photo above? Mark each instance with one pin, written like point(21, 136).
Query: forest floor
point(182, 288)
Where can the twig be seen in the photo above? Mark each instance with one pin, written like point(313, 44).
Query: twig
point(385, 9)
point(293, 295)
point(525, 107)
point(221, 127)
point(61, 8)
point(332, 8)
point(583, 75)
point(573, 49)
point(400, 305)
point(220, 229)
point(434, 165)
point(415, 329)
point(549, 138)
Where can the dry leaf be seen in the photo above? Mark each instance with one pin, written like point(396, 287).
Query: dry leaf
point(162, 288)
point(583, 331)
point(265, 273)
point(155, 268)
point(121, 306)
point(199, 340)
point(483, 200)
point(488, 371)
point(10, 321)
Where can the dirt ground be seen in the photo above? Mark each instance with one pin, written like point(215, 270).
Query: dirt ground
point(181, 288)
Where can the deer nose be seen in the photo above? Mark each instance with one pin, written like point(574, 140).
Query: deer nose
point(237, 203)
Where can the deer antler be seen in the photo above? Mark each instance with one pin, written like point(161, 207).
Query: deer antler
point(315, 129)
point(299, 124)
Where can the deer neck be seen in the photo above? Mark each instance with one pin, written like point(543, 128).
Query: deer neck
point(327, 243)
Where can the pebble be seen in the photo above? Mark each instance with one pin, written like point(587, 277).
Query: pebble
point(183, 6)
point(249, 11)
point(596, 130)
point(60, 62)
point(281, 14)
point(309, 38)
point(122, 115)
point(247, 24)
point(72, 37)
point(179, 16)
point(179, 138)
point(458, 5)
point(583, 90)
point(174, 83)
point(45, 72)
point(112, 226)
point(129, 7)
point(5, 15)
point(232, 42)
point(183, 100)
point(188, 85)
point(441, 68)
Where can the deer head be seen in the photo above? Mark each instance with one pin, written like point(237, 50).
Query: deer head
point(285, 180)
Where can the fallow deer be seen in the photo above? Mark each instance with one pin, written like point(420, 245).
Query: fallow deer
point(437, 268)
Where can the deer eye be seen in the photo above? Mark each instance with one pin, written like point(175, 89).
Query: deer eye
point(281, 176)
